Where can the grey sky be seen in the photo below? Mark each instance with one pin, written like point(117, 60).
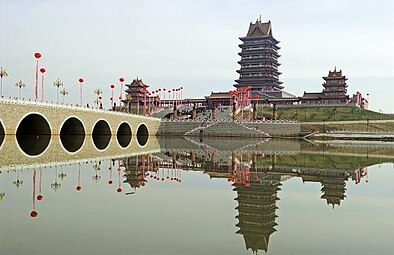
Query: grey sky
point(194, 44)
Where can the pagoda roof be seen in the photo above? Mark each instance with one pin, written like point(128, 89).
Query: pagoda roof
point(137, 82)
point(259, 29)
point(335, 74)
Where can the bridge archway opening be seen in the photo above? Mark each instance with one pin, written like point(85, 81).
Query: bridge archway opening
point(33, 134)
point(2, 133)
point(142, 134)
point(101, 135)
point(123, 135)
point(72, 134)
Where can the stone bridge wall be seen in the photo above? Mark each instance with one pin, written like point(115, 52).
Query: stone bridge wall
point(12, 112)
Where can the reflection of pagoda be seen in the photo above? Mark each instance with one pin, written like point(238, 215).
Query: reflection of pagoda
point(135, 169)
point(333, 190)
point(256, 210)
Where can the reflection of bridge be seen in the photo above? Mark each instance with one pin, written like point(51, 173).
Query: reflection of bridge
point(36, 123)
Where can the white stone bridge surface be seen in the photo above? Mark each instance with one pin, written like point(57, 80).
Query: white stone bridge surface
point(43, 118)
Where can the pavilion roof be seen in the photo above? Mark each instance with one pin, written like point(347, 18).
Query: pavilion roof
point(259, 29)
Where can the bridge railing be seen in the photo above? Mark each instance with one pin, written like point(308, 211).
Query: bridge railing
point(64, 106)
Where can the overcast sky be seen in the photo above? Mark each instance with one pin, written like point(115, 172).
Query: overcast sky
point(194, 44)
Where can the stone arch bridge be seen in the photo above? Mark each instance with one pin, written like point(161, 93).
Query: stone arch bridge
point(35, 124)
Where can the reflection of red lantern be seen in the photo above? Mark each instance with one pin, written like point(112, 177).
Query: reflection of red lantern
point(119, 189)
point(33, 214)
point(42, 70)
point(120, 98)
point(100, 97)
point(112, 86)
point(37, 55)
point(80, 80)
point(110, 98)
point(79, 188)
point(121, 79)
point(109, 182)
point(39, 197)
point(143, 184)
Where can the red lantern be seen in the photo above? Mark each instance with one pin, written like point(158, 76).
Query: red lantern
point(33, 214)
point(112, 86)
point(119, 189)
point(39, 197)
point(42, 70)
point(80, 80)
point(110, 98)
point(143, 184)
point(120, 98)
point(100, 97)
point(121, 79)
point(37, 55)
point(109, 182)
point(164, 89)
point(181, 87)
point(79, 188)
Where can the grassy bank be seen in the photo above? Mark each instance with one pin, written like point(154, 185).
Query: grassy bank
point(324, 113)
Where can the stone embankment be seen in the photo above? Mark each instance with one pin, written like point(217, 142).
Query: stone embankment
point(229, 128)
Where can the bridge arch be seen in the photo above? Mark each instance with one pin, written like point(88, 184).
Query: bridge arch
point(72, 134)
point(142, 134)
point(2, 133)
point(33, 134)
point(101, 134)
point(124, 134)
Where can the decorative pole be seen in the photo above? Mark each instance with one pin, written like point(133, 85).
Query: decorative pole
point(37, 55)
point(98, 92)
point(164, 98)
point(138, 103)
point(181, 95)
point(57, 84)
point(42, 70)
point(34, 213)
point(80, 90)
point(20, 84)
point(63, 92)
point(112, 96)
point(145, 86)
point(3, 73)
point(121, 80)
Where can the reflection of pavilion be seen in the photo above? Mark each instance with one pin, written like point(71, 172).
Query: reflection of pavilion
point(136, 167)
point(257, 210)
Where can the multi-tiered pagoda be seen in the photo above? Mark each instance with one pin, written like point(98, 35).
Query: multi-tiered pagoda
point(259, 62)
point(334, 92)
point(136, 91)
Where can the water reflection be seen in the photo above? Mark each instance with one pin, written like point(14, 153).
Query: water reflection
point(254, 169)
point(33, 144)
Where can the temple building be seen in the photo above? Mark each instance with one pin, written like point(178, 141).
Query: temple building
point(135, 91)
point(259, 62)
point(334, 91)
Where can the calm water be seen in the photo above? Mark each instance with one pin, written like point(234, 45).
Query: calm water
point(198, 197)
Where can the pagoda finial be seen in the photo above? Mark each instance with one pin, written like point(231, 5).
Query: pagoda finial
point(260, 17)
point(335, 68)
